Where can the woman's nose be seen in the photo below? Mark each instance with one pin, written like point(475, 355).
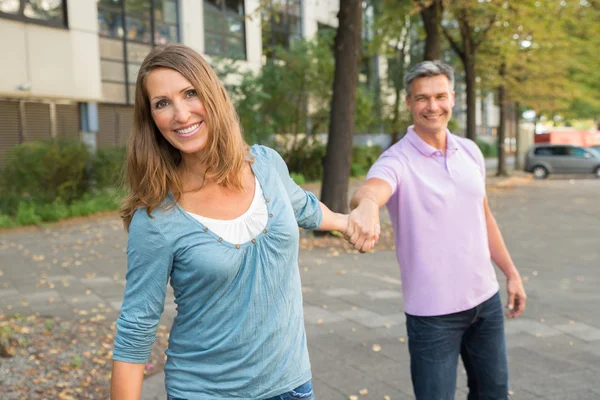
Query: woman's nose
point(182, 114)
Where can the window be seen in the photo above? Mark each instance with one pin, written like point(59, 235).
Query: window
point(143, 21)
point(128, 31)
point(560, 151)
point(165, 21)
point(543, 151)
point(579, 152)
point(45, 12)
point(282, 26)
point(224, 27)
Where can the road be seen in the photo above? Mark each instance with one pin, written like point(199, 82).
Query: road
point(353, 304)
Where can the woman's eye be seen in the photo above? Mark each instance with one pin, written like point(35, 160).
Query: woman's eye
point(191, 93)
point(160, 104)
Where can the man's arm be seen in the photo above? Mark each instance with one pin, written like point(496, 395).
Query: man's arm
point(514, 285)
point(363, 222)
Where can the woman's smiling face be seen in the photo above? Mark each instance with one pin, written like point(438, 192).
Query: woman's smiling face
point(177, 111)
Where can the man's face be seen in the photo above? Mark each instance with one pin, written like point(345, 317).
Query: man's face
point(431, 101)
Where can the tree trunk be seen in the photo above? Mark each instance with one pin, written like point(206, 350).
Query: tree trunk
point(336, 169)
point(471, 87)
point(432, 18)
point(517, 136)
point(396, 117)
point(502, 126)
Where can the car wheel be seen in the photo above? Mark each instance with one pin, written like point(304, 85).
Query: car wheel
point(597, 172)
point(540, 172)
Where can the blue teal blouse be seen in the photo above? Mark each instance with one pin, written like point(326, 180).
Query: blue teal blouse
point(239, 330)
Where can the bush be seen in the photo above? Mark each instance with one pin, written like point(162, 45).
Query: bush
point(30, 213)
point(362, 159)
point(6, 221)
point(488, 149)
point(298, 178)
point(306, 159)
point(43, 171)
point(107, 167)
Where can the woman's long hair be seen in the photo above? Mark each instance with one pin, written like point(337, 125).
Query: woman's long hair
point(152, 163)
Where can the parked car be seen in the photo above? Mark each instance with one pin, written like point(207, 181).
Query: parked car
point(545, 159)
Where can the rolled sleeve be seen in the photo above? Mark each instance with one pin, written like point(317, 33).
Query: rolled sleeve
point(149, 261)
point(389, 169)
point(307, 207)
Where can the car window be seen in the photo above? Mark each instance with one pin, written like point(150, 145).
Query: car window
point(543, 151)
point(560, 151)
point(579, 152)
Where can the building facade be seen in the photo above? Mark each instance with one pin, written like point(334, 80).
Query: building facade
point(71, 65)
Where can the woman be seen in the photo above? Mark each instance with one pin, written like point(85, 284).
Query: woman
point(219, 220)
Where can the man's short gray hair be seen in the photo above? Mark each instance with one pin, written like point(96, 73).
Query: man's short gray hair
point(426, 69)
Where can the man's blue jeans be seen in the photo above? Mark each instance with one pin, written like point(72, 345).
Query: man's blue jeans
point(477, 335)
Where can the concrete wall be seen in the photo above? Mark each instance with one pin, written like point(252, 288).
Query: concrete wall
point(53, 62)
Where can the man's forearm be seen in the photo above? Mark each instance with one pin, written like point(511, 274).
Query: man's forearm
point(498, 250)
point(363, 194)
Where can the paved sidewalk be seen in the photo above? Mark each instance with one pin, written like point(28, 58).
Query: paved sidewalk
point(353, 304)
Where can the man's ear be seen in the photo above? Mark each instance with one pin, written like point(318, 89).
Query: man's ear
point(408, 105)
point(452, 97)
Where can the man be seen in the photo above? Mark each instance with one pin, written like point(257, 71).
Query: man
point(433, 183)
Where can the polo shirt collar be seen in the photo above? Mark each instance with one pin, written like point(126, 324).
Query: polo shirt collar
point(426, 149)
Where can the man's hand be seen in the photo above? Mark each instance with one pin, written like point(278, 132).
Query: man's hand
point(516, 297)
point(363, 226)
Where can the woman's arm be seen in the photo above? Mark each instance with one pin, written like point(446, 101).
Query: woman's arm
point(332, 221)
point(126, 381)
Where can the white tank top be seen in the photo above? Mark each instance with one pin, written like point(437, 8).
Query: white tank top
point(245, 227)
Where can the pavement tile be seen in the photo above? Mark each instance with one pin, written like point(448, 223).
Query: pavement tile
point(8, 293)
point(370, 319)
point(338, 292)
point(384, 294)
point(317, 315)
point(41, 297)
point(581, 331)
point(531, 327)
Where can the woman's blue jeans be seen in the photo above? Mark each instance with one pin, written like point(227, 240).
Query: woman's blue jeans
point(302, 392)
point(477, 335)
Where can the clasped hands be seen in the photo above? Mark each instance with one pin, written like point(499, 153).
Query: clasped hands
point(363, 226)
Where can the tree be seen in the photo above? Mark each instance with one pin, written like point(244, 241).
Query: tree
point(397, 32)
point(528, 59)
point(336, 172)
point(431, 14)
point(473, 20)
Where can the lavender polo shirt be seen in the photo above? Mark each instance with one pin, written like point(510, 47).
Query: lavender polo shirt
point(439, 223)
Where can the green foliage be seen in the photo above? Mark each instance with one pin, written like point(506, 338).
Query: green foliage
point(453, 125)
point(306, 162)
point(31, 213)
point(6, 221)
point(107, 167)
point(290, 95)
point(489, 150)
point(298, 178)
point(76, 361)
point(26, 214)
point(306, 159)
point(49, 324)
point(362, 159)
point(42, 171)
point(46, 181)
